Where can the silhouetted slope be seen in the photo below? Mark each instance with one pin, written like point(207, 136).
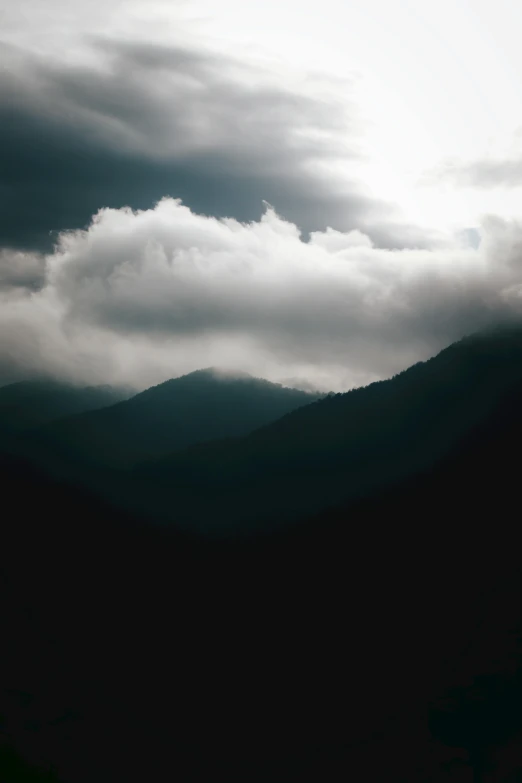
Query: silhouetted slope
point(459, 529)
point(29, 404)
point(344, 446)
point(14, 769)
point(310, 654)
point(196, 407)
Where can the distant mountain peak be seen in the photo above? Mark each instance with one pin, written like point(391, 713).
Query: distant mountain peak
point(206, 404)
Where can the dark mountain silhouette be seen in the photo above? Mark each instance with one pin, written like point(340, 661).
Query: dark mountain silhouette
point(318, 652)
point(28, 404)
point(203, 405)
point(348, 646)
point(342, 447)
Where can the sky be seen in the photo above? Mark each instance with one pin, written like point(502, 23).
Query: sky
point(316, 193)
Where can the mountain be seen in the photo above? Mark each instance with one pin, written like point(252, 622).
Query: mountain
point(200, 406)
point(372, 641)
point(318, 455)
point(28, 404)
point(339, 448)
point(322, 651)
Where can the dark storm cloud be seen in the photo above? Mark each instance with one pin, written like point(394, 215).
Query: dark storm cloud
point(151, 121)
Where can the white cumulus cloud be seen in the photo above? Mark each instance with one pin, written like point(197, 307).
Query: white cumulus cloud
point(140, 296)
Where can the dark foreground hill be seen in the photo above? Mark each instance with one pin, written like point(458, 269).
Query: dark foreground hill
point(337, 650)
point(197, 407)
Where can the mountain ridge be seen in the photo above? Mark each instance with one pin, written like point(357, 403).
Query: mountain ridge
point(202, 405)
point(346, 444)
point(334, 642)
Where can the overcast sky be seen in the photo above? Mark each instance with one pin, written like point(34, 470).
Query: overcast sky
point(317, 193)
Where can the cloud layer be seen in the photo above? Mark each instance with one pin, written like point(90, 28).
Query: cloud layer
point(140, 296)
